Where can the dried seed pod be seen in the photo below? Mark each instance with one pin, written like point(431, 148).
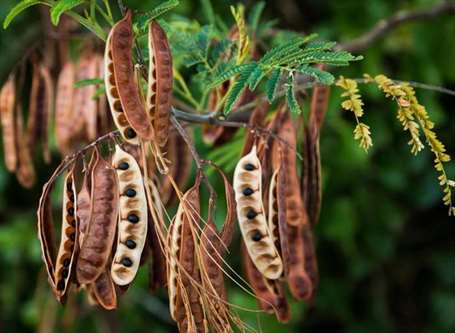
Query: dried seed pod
point(251, 216)
point(104, 119)
point(160, 80)
point(64, 107)
point(69, 235)
point(180, 160)
point(25, 172)
point(269, 293)
point(121, 40)
point(7, 112)
point(99, 238)
point(311, 263)
point(184, 301)
point(83, 206)
point(85, 107)
point(104, 291)
point(132, 226)
point(40, 109)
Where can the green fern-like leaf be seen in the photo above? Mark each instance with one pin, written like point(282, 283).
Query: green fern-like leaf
point(255, 15)
point(255, 77)
point(144, 19)
point(290, 97)
point(207, 10)
point(272, 84)
point(238, 87)
point(88, 82)
point(230, 72)
point(321, 76)
point(61, 7)
point(19, 8)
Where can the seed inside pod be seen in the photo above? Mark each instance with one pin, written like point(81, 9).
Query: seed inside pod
point(65, 273)
point(133, 218)
point(248, 191)
point(251, 214)
point(256, 236)
point(66, 262)
point(123, 166)
point(127, 262)
point(131, 244)
point(249, 167)
point(71, 211)
point(130, 133)
point(61, 285)
point(130, 193)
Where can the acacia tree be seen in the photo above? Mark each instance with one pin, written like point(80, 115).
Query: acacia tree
point(123, 121)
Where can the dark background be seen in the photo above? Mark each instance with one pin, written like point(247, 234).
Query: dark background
point(385, 244)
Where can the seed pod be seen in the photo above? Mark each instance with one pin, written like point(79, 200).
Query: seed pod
point(121, 40)
point(69, 235)
point(83, 205)
point(99, 238)
point(25, 172)
point(180, 160)
point(160, 80)
point(104, 291)
point(40, 109)
point(132, 226)
point(269, 293)
point(7, 112)
point(85, 107)
point(251, 217)
point(184, 300)
point(104, 119)
point(311, 263)
point(64, 107)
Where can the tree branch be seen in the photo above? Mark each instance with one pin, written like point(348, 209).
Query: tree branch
point(385, 26)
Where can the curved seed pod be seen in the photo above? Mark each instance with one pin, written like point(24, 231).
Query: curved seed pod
point(319, 105)
point(113, 98)
point(269, 293)
point(184, 300)
point(83, 208)
point(180, 159)
point(311, 263)
point(256, 120)
point(121, 39)
point(104, 291)
point(132, 226)
point(251, 217)
point(69, 235)
point(64, 107)
point(214, 246)
point(40, 109)
point(160, 80)
point(7, 110)
point(104, 120)
point(46, 231)
point(25, 172)
point(99, 237)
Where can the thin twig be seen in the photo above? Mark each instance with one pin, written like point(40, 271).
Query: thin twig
point(385, 26)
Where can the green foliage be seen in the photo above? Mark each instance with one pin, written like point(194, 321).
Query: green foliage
point(255, 15)
point(62, 6)
point(290, 97)
point(144, 19)
point(88, 82)
point(19, 8)
point(272, 84)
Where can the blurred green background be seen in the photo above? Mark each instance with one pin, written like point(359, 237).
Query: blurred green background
point(385, 244)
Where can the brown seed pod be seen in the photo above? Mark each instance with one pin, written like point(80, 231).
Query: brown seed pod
point(311, 262)
point(64, 107)
point(213, 247)
point(121, 40)
point(104, 118)
point(104, 291)
point(132, 226)
point(180, 160)
point(99, 238)
point(160, 81)
point(7, 112)
point(85, 107)
point(40, 109)
point(69, 235)
point(184, 300)
point(269, 293)
point(25, 172)
point(251, 217)
point(84, 199)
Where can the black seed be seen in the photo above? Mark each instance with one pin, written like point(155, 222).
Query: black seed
point(70, 211)
point(71, 197)
point(130, 133)
point(127, 262)
point(69, 186)
point(66, 262)
point(257, 236)
point(251, 214)
point(123, 166)
point(61, 285)
point(73, 236)
point(248, 191)
point(130, 244)
point(249, 167)
point(65, 273)
point(133, 218)
point(73, 223)
point(130, 193)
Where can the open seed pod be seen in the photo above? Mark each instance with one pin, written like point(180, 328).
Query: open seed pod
point(132, 225)
point(7, 116)
point(251, 217)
